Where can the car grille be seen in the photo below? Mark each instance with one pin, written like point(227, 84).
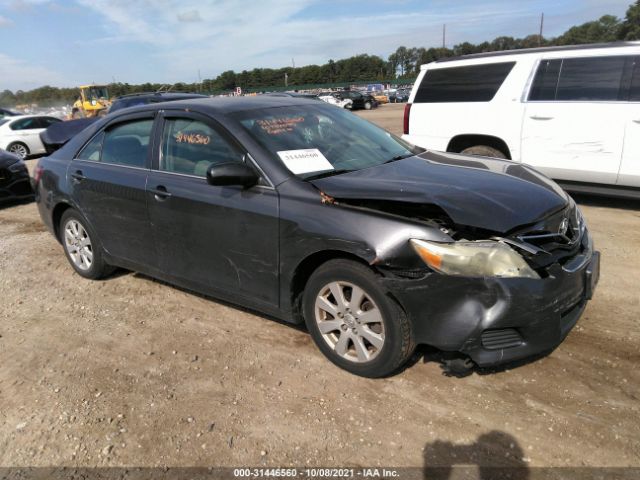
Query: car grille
point(499, 339)
point(556, 239)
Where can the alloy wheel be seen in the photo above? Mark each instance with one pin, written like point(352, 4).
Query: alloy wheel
point(19, 150)
point(78, 244)
point(350, 321)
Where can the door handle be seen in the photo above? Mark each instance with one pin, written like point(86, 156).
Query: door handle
point(160, 193)
point(77, 176)
point(539, 117)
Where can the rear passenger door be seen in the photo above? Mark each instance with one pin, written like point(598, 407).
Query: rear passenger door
point(573, 128)
point(108, 179)
point(211, 238)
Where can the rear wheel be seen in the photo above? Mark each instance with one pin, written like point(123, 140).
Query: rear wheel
point(367, 105)
point(483, 151)
point(353, 322)
point(19, 149)
point(82, 247)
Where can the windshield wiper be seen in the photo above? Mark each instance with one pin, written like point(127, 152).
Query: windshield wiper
point(400, 157)
point(328, 173)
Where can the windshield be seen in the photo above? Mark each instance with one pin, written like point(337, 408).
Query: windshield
point(96, 93)
point(322, 139)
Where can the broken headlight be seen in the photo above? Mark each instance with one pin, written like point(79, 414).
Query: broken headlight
point(485, 258)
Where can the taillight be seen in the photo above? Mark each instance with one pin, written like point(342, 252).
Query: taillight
point(37, 174)
point(407, 110)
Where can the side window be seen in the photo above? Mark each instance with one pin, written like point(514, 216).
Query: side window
point(92, 150)
point(590, 79)
point(475, 83)
point(190, 147)
point(25, 124)
point(46, 122)
point(545, 82)
point(127, 143)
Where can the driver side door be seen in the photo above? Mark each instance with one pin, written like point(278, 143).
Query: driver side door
point(218, 239)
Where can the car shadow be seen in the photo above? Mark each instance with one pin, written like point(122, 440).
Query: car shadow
point(457, 365)
point(584, 199)
point(452, 364)
point(299, 327)
point(494, 455)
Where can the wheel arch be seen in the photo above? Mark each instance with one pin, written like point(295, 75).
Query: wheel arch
point(56, 216)
point(460, 142)
point(305, 269)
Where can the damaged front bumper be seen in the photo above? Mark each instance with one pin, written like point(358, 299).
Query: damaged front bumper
point(498, 320)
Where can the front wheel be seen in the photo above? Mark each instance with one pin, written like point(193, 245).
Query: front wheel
point(82, 247)
point(353, 322)
point(367, 105)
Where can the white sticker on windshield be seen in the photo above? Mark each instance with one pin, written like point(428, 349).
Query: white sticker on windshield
point(305, 160)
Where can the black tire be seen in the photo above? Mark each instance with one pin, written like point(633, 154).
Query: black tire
point(484, 151)
point(367, 105)
point(397, 344)
point(98, 268)
point(20, 149)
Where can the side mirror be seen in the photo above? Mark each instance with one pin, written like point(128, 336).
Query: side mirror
point(232, 173)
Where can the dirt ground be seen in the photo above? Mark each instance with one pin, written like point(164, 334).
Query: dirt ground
point(132, 372)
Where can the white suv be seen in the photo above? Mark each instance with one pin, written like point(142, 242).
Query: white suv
point(571, 112)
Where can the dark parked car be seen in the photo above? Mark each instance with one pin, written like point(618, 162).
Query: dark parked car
point(7, 113)
point(361, 100)
point(57, 135)
point(308, 213)
point(401, 95)
point(135, 99)
point(15, 183)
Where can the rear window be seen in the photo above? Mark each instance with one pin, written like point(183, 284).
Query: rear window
point(475, 83)
point(579, 79)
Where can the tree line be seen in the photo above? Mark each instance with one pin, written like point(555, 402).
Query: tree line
point(400, 67)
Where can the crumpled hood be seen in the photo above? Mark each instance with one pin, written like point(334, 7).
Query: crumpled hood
point(490, 194)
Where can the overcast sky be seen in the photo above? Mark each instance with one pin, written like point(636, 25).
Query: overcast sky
point(72, 42)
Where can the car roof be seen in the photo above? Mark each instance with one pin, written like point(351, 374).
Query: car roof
point(525, 51)
point(161, 95)
point(17, 117)
point(225, 105)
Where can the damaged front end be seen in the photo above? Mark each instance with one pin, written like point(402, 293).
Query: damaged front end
point(493, 296)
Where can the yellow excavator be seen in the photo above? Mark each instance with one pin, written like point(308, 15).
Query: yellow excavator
point(92, 102)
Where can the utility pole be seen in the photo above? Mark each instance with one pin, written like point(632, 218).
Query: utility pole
point(293, 63)
point(286, 79)
point(541, 28)
point(444, 35)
